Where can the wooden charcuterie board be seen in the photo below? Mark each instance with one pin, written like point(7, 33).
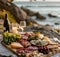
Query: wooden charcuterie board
point(12, 50)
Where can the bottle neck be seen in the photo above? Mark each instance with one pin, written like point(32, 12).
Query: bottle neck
point(5, 16)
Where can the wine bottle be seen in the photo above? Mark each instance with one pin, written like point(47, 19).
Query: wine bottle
point(6, 23)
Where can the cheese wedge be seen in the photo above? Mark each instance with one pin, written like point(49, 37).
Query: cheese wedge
point(16, 45)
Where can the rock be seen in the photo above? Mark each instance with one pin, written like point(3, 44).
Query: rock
point(58, 30)
point(29, 12)
point(51, 15)
point(47, 25)
point(46, 31)
point(39, 16)
point(56, 23)
point(30, 20)
point(33, 13)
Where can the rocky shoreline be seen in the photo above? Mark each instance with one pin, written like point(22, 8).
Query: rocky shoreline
point(21, 13)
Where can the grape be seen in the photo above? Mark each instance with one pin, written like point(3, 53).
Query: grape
point(43, 49)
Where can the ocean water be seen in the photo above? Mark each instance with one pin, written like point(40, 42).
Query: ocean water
point(44, 8)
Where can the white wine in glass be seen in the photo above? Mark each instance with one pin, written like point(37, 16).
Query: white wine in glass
point(23, 24)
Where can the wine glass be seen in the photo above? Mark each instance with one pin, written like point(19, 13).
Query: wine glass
point(22, 25)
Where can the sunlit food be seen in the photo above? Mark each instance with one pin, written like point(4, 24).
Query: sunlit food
point(29, 44)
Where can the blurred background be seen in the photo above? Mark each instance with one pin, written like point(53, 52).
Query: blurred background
point(44, 7)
